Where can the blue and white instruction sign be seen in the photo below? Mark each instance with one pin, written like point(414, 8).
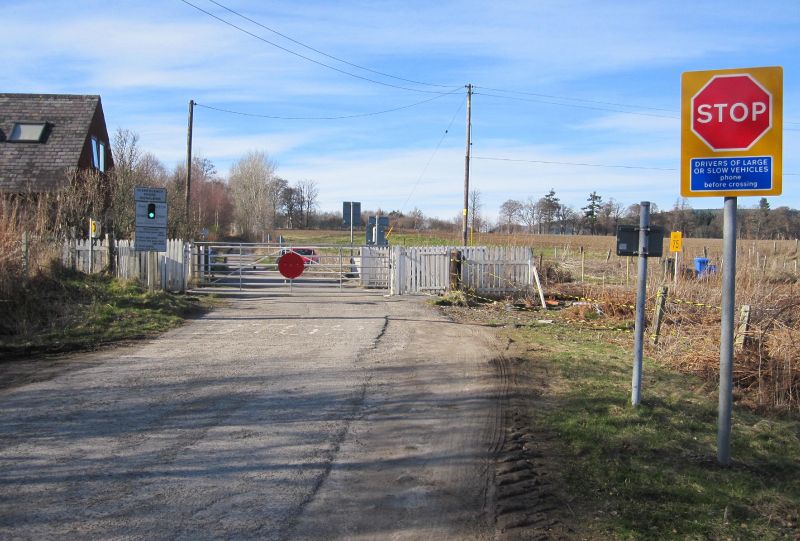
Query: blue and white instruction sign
point(720, 174)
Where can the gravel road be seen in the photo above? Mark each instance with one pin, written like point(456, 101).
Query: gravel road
point(317, 415)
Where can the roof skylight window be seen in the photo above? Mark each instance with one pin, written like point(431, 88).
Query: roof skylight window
point(27, 132)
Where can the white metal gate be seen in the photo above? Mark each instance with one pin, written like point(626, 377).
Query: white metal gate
point(255, 266)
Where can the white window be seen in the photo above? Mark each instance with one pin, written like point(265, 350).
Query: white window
point(27, 132)
point(98, 155)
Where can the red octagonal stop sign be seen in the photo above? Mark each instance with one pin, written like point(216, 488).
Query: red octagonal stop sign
point(731, 112)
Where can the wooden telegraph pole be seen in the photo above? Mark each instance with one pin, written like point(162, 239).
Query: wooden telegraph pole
point(466, 164)
point(188, 163)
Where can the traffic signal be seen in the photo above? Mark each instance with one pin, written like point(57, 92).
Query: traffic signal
point(151, 211)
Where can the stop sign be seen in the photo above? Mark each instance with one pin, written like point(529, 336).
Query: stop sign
point(731, 112)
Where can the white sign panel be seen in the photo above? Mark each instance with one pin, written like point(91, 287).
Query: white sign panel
point(150, 195)
point(150, 239)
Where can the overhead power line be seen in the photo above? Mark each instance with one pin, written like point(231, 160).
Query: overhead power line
point(433, 154)
point(582, 164)
point(340, 117)
point(626, 106)
point(575, 105)
point(309, 59)
point(323, 53)
point(582, 100)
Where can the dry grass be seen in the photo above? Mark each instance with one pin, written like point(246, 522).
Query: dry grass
point(767, 363)
point(21, 260)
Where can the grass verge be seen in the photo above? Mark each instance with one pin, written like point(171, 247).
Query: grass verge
point(65, 311)
point(650, 472)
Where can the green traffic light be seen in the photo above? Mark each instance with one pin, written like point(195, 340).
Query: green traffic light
point(151, 211)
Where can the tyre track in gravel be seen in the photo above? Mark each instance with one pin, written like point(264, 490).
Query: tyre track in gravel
point(305, 417)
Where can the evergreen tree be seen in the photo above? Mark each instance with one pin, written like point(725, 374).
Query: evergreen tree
point(591, 210)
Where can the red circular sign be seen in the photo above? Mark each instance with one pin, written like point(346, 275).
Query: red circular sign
point(291, 265)
point(731, 112)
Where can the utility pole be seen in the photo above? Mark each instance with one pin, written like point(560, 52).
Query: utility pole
point(466, 163)
point(189, 162)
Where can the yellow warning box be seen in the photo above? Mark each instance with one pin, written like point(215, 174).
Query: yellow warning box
point(676, 241)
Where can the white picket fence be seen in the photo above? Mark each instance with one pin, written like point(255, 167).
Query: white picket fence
point(172, 267)
point(484, 270)
point(420, 270)
point(79, 254)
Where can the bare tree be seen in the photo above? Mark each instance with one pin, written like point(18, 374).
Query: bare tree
point(290, 203)
point(249, 182)
point(530, 214)
point(475, 206)
point(417, 219)
point(510, 212)
point(307, 194)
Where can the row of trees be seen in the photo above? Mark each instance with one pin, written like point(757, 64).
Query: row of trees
point(549, 215)
point(252, 202)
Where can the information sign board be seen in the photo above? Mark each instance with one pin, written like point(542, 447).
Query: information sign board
point(151, 219)
point(732, 132)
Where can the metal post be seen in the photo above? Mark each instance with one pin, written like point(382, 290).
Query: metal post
point(466, 164)
point(240, 267)
point(726, 337)
point(641, 293)
point(91, 253)
point(151, 273)
point(351, 223)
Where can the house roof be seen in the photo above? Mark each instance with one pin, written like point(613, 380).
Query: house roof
point(42, 166)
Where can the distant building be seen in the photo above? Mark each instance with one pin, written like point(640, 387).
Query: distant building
point(46, 138)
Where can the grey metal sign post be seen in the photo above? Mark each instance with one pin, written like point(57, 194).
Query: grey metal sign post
point(351, 210)
point(641, 293)
point(643, 241)
point(726, 333)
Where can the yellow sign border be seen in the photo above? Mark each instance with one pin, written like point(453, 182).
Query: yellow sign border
point(770, 144)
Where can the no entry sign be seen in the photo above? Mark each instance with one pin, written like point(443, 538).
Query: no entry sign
point(732, 132)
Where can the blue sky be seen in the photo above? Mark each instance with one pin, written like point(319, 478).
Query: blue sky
point(575, 82)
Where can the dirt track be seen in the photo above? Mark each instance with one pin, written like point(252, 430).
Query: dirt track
point(312, 416)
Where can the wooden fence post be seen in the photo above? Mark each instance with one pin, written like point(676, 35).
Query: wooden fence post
point(661, 300)
point(744, 325)
point(583, 263)
point(627, 270)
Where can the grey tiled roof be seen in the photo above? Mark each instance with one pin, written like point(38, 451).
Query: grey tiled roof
point(39, 167)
